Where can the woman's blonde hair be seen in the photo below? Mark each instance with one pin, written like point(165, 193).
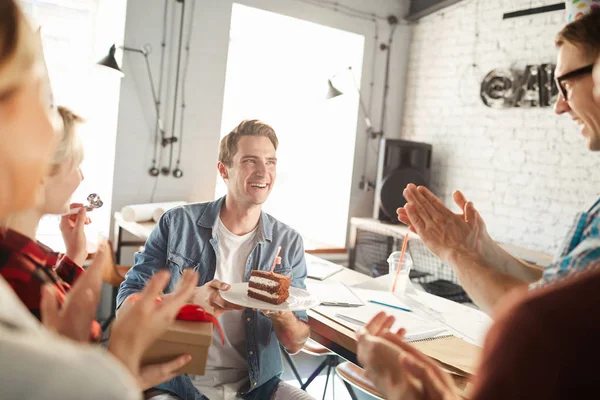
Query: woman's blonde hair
point(18, 46)
point(70, 148)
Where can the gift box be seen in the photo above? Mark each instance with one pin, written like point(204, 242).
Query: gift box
point(183, 337)
point(191, 333)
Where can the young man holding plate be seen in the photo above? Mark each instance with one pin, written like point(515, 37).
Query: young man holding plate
point(224, 241)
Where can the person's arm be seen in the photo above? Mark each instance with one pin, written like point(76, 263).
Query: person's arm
point(581, 258)
point(38, 364)
point(147, 262)
point(484, 284)
point(49, 367)
point(68, 270)
point(511, 265)
point(291, 328)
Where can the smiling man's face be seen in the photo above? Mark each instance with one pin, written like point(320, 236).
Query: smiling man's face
point(581, 106)
point(252, 173)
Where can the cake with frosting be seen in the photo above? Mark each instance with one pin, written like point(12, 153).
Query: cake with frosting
point(269, 287)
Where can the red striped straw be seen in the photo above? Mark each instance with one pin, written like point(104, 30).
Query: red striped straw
point(275, 260)
point(404, 243)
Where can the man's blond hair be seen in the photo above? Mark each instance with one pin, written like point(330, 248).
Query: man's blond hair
point(252, 127)
point(583, 33)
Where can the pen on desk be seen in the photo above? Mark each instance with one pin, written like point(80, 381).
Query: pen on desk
point(390, 305)
point(350, 319)
point(333, 304)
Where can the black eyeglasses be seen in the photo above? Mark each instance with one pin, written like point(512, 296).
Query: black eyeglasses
point(570, 75)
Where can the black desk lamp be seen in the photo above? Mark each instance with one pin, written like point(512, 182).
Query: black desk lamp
point(364, 183)
point(110, 62)
point(393, 21)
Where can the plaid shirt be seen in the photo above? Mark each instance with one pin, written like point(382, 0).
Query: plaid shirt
point(27, 265)
point(580, 250)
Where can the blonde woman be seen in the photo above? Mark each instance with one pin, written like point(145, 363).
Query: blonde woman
point(26, 132)
point(26, 264)
point(37, 363)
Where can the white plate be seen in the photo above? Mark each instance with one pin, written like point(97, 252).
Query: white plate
point(299, 299)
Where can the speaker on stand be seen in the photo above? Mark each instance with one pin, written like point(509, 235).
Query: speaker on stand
point(400, 162)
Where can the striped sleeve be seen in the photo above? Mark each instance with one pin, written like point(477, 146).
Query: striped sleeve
point(584, 253)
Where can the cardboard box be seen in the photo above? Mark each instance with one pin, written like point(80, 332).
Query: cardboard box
point(183, 337)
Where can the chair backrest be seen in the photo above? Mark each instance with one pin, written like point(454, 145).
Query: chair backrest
point(112, 273)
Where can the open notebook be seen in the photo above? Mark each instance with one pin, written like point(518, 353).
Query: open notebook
point(319, 268)
point(429, 336)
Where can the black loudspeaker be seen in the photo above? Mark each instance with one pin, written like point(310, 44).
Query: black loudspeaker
point(400, 162)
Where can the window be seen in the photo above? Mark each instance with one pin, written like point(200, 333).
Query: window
point(75, 33)
point(277, 71)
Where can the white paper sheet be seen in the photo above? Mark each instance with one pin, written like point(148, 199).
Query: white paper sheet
point(319, 268)
point(332, 293)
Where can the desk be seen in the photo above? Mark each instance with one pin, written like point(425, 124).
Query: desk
point(331, 334)
point(467, 323)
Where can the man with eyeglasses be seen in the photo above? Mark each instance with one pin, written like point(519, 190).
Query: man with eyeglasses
point(543, 344)
point(486, 271)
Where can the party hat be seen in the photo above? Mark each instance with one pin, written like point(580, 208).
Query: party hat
point(578, 8)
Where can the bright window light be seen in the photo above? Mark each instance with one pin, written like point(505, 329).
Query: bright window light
point(277, 71)
point(73, 38)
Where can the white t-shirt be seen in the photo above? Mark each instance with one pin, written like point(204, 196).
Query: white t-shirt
point(227, 365)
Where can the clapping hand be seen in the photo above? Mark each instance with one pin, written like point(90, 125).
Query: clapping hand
point(144, 321)
point(74, 318)
point(398, 369)
point(441, 230)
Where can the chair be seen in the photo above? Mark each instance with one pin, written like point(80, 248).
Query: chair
point(113, 274)
point(356, 377)
point(331, 361)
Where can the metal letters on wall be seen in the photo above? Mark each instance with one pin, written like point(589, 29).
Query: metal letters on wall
point(534, 87)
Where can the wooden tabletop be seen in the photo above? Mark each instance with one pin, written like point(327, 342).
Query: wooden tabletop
point(342, 340)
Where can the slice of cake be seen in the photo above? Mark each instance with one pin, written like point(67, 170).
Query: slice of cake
point(270, 287)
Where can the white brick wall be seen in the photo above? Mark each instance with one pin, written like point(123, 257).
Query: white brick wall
point(528, 171)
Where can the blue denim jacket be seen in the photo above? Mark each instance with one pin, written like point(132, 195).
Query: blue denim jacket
point(185, 237)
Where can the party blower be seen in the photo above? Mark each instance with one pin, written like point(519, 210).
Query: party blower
point(94, 202)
